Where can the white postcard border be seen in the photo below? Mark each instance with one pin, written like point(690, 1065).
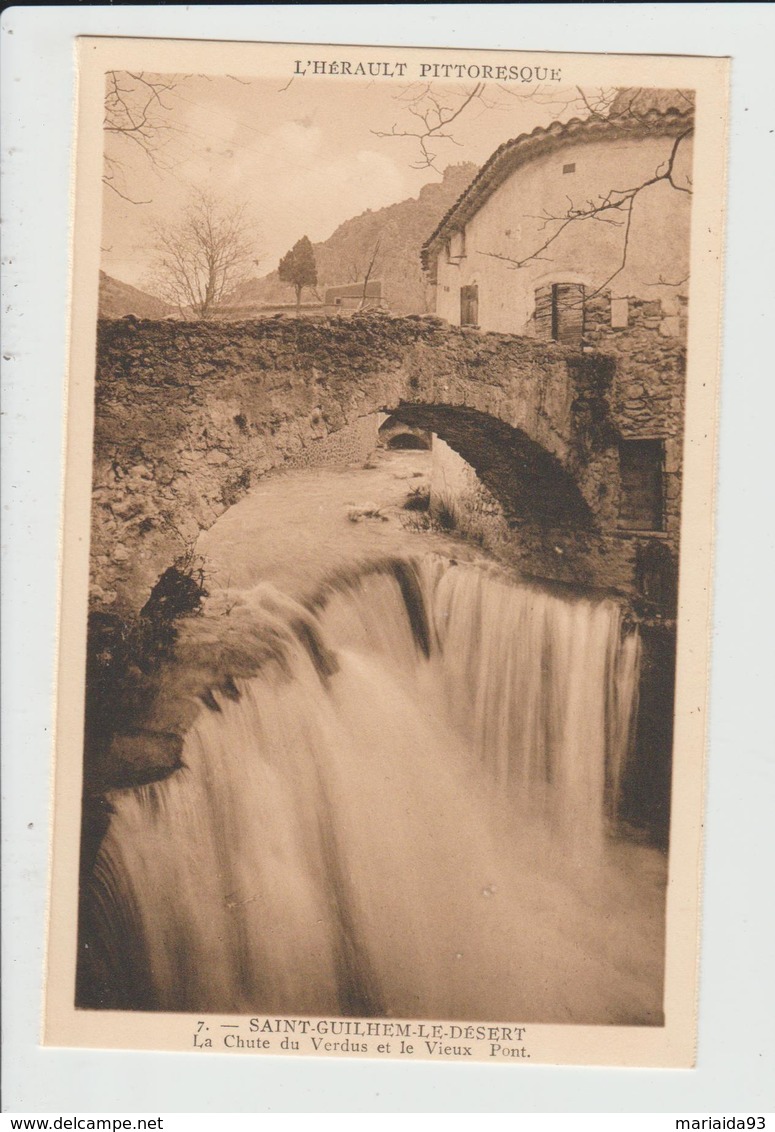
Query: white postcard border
point(154, 22)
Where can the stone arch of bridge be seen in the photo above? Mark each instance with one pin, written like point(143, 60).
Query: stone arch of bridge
point(189, 416)
point(529, 482)
point(394, 433)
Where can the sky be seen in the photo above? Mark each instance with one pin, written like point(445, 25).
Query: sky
point(302, 159)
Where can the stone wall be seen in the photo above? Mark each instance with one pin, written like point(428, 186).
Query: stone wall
point(644, 400)
point(648, 392)
point(183, 430)
point(190, 415)
point(352, 444)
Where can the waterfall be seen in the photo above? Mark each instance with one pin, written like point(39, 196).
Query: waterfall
point(408, 812)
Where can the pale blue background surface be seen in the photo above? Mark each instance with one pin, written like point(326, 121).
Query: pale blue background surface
point(736, 1043)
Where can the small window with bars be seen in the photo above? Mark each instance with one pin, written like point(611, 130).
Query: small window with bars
point(641, 470)
point(559, 312)
point(469, 305)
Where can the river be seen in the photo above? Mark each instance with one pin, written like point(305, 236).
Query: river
point(294, 527)
point(410, 810)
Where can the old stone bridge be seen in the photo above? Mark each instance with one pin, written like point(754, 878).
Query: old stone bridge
point(189, 415)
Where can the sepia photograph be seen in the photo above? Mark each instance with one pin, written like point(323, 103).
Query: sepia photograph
point(390, 447)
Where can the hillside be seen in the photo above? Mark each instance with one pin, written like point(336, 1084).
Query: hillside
point(400, 229)
point(118, 299)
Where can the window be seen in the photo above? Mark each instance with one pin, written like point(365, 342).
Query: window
point(559, 312)
point(569, 168)
point(641, 502)
point(457, 245)
point(469, 305)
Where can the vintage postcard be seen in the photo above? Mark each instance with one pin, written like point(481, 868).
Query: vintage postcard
point(387, 553)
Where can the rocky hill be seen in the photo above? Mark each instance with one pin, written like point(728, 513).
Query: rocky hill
point(118, 299)
point(396, 232)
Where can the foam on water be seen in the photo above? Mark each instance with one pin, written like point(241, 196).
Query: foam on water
point(411, 813)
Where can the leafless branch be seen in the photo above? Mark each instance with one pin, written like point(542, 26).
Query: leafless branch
point(603, 209)
point(433, 116)
point(623, 259)
point(369, 270)
point(662, 282)
point(136, 115)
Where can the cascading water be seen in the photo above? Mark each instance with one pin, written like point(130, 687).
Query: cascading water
point(406, 813)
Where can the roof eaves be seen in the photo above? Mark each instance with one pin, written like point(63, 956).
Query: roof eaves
point(519, 151)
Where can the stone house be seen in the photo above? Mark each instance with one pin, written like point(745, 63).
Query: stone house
point(578, 234)
point(349, 297)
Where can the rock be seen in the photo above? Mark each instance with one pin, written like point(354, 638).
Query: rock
point(215, 456)
point(365, 511)
point(142, 756)
point(128, 507)
point(141, 471)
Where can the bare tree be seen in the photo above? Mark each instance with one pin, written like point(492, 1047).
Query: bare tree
point(354, 270)
point(137, 108)
point(369, 271)
point(200, 260)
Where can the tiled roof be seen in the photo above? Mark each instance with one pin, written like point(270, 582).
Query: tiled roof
point(513, 154)
point(370, 290)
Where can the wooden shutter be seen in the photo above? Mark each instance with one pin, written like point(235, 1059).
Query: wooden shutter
point(559, 312)
point(641, 503)
point(543, 312)
point(568, 312)
point(469, 305)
